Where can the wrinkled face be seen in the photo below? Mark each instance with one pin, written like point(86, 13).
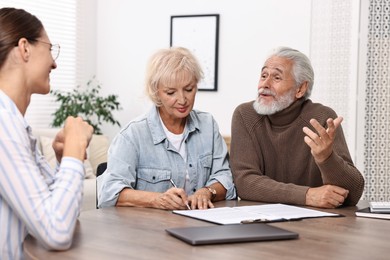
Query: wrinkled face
point(41, 64)
point(277, 87)
point(177, 100)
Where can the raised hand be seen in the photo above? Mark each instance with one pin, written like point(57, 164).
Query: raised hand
point(321, 144)
point(73, 139)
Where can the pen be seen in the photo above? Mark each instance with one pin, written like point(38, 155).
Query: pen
point(259, 220)
point(174, 185)
point(264, 220)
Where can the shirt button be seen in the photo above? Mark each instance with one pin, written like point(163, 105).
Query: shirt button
point(154, 177)
point(190, 165)
point(194, 190)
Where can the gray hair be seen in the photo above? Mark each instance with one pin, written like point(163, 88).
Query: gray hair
point(302, 69)
point(171, 66)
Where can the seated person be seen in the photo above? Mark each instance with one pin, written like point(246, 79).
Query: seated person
point(287, 149)
point(34, 199)
point(174, 157)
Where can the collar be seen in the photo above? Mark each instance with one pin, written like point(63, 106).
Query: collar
point(9, 105)
point(287, 115)
point(157, 131)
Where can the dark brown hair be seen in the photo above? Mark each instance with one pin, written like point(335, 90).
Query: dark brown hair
point(16, 24)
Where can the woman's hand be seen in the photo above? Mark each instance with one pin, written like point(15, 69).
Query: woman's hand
point(73, 139)
point(201, 199)
point(174, 198)
point(58, 144)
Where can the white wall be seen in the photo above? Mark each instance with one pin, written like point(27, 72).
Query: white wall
point(86, 40)
point(334, 42)
point(129, 32)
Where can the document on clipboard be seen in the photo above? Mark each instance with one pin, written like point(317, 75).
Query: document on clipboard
point(266, 213)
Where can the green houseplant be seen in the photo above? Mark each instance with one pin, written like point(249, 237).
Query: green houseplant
point(86, 103)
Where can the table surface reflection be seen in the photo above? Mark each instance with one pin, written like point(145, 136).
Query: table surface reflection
point(139, 233)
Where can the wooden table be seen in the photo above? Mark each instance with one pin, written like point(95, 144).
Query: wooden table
point(136, 233)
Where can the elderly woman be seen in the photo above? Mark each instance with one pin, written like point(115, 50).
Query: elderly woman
point(174, 157)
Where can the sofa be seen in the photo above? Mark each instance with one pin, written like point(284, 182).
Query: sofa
point(96, 154)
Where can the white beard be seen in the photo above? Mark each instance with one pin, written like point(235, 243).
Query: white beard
point(277, 105)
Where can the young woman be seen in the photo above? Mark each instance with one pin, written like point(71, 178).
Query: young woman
point(33, 199)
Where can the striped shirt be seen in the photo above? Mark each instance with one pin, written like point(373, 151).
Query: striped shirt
point(33, 199)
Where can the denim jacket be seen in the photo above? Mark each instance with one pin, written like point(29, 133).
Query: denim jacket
point(141, 157)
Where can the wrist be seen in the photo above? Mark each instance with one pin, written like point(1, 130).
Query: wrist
point(308, 197)
point(212, 191)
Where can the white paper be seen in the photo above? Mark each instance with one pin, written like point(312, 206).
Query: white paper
point(267, 212)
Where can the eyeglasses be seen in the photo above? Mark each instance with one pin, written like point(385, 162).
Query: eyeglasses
point(54, 48)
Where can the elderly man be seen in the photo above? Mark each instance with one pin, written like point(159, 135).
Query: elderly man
point(287, 149)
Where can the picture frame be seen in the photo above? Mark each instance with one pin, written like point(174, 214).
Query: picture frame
point(200, 34)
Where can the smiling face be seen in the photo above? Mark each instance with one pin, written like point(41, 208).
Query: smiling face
point(40, 65)
point(277, 88)
point(177, 100)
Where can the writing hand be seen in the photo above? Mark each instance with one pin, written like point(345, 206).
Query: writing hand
point(174, 198)
point(321, 144)
point(326, 196)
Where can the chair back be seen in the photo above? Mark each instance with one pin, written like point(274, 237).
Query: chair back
point(99, 171)
point(101, 168)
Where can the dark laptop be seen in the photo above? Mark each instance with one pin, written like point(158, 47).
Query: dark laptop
point(230, 233)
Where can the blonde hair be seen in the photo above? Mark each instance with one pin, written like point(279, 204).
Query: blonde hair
point(169, 67)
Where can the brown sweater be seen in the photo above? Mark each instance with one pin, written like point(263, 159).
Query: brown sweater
point(272, 163)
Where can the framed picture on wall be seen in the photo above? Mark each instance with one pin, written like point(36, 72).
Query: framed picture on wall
point(199, 34)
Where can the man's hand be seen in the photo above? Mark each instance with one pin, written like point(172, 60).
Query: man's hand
point(327, 196)
point(321, 144)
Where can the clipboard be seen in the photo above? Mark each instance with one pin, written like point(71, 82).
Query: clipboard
point(264, 213)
